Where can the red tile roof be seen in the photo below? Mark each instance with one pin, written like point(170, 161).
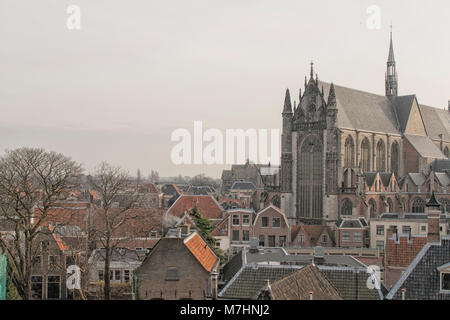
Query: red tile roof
point(201, 251)
point(222, 228)
point(208, 207)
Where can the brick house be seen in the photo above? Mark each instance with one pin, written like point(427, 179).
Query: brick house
point(241, 225)
point(352, 233)
point(179, 267)
point(207, 206)
point(307, 236)
point(271, 227)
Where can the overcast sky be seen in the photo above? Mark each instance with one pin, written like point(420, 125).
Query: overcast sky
point(136, 70)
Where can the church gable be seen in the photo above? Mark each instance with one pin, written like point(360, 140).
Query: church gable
point(415, 122)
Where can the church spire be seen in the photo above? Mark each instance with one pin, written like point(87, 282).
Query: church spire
point(332, 97)
point(391, 73)
point(287, 103)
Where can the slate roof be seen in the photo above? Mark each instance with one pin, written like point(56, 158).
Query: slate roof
point(357, 223)
point(243, 185)
point(403, 106)
point(351, 283)
point(120, 254)
point(437, 121)
point(441, 165)
point(422, 278)
point(385, 178)
point(201, 251)
point(444, 178)
point(298, 285)
point(370, 177)
point(362, 110)
point(425, 147)
point(417, 178)
point(312, 231)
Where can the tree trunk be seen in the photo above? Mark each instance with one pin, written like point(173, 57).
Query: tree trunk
point(107, 287)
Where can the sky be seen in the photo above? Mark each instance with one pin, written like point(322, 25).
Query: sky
point(117, 88)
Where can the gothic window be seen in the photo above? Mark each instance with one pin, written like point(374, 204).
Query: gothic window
point(390, 205)
point(394, 158)
point(447, 152)
point(310, 169)
point(418, 206)
point(445, 205)
point(381, 156)
point(372, 208)
point(276, 201)
point(365, 155)
point(349, 158)
point(347, 207)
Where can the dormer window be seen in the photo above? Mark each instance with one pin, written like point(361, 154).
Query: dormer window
point(444, 278)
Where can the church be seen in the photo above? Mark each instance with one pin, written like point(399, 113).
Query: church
point(345, 152)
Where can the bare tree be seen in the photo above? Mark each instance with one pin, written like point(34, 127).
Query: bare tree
point(118, 196)
point(31, 181)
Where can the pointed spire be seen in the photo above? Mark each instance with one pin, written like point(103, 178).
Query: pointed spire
point(433, 202)
point(391, 73)
point(300, 97)
point(332, 97)
point(306, 83)
point(312, 70)
point(317, 80)
point(287, 103)
point(391, 57)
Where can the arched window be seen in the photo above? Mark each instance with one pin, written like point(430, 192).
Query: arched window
point(372, 208)
point(310, 186)
point(347, 207)
point(390, 205)
point(381, 156)
point(394, 158)
point(445, 205)
point(418, 206)
point(446, 152)
point(349, 159)
point(365, 155)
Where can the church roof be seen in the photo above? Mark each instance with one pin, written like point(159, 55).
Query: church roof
point(362, 110)
point(403, 106)
point(437, 121)
point(424, 146)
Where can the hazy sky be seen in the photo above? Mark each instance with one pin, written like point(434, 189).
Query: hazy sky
point(136, 70)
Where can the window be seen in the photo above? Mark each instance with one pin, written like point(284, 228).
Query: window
point(301, 239)
point(372, 208)
point(282, 241)
point(235, 219)
point(246, 220)
point(117, 275)
point(357, 236)
point(347, 207)
point(52, 262)
point(171, 274)
point(445, 281)
point(365, 155)
point(271, 241)
point(100, 275)
point(265, 222)
point(36, 287)
point(37, 262)
point(153, 234)
point(69, 261)
point(276, 222)
point(406, 229)
point(324, 238)
point(346, 236)
point(53, 287)
point(380, 230)
point(423, 228)
point(261, 241)
point(245, 235)
point(381, 156)
point(44, 246)
point(310, 178)
point(139, 249)
point(126, 275)
point(349, 152)
point(236, 235)
point(418, 206)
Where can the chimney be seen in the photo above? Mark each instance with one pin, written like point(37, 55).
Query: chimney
point(179, 232)
point(392, 231)
point(311, 295)
point(319, 255)
point(186, 229)
point(403, 294)
point(214, 283)
point(434, 215)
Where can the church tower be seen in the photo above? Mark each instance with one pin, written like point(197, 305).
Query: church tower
point(391, 74)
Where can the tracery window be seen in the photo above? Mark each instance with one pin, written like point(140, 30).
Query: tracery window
point(394, 159)
point(381, 156)
point(349, 158)
point(365, 155)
